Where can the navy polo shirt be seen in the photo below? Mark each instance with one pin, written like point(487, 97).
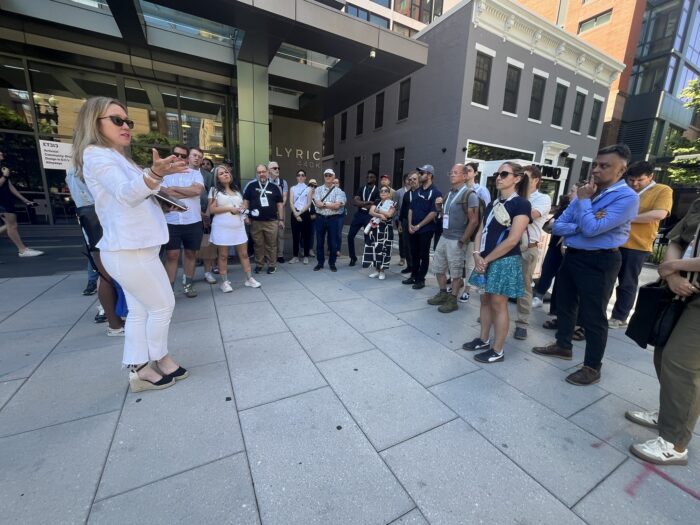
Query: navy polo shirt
point(422, 204)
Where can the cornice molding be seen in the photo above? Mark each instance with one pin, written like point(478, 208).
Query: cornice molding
point(512, 23)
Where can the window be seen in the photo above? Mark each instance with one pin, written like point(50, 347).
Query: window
point(595, 117)
point(363, 14)
point(379, 111)
point(328, 137)
point(404, 98)
point(343, 125)
point(357, 167)
point(537, 97)
point(422, 10)
point(482, 76)
point(693, 52)
point(578, 112)
point(360, 120)
point(403, 30)
point(585, 169)
point(341, 173)
point(477, 150)
point(687, 75)
point(650, 76)
point(559, 102)
point(375, 163)
point(596, 21)
point(383, 3)
point(398, 167)
point(510, 98)
point(660, 28)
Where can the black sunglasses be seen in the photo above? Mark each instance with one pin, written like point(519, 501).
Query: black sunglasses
point(503, 174)
point(180, 155)
point(119, 122)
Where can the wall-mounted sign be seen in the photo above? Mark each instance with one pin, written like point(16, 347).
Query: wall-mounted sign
point(55, 155)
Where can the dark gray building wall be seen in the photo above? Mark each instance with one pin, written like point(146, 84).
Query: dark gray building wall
point(442, 116)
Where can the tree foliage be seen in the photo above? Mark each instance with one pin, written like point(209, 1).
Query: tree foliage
point(686, 170)
point(141, 147)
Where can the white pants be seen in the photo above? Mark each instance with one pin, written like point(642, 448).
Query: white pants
point(149, 298)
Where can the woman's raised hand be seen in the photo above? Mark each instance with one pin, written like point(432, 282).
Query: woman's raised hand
point(168, 165)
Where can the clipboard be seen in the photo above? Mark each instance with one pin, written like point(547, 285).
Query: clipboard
point(163, 199)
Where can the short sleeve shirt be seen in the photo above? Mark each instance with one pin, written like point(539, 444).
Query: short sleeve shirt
point(193, 213)
point(453, 207)
point(253, 194)
point(496, 232)
point(642, 235)
point(422, 204)
point(368, 193)
point(543, 204)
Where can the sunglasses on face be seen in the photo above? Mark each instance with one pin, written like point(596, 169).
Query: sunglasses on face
point(502, 174)
point(180, 155)
point(118, 121)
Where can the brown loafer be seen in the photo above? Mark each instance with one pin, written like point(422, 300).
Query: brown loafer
point(584, 376)
point(554, 350)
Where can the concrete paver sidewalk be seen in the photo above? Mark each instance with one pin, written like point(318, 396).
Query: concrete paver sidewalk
point(319, 398)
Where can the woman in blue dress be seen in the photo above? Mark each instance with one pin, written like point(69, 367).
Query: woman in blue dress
point(497, 261)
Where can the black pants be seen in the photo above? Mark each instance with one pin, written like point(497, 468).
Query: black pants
point(301, 231)
point(420, 251)
point(359, 221)
point(326, 226)
point(403, 248)
point(550, 267)
point(585, 283)
point(628, 277)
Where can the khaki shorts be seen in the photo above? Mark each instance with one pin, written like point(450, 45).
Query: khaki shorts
point(449, 256)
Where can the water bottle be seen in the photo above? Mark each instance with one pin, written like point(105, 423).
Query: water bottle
point(480, 282)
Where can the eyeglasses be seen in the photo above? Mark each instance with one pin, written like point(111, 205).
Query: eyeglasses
point(118, 121)
point(180, 155)
point(328, 175)
point(274, 167)
point(502, 174)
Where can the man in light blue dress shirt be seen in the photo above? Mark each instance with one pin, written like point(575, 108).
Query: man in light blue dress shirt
point(594, 226)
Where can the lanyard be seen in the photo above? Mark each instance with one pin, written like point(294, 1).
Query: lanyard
point(364, 193)
point(262, 189)
point(449, 202)
point(648, 187)
point(430, 195)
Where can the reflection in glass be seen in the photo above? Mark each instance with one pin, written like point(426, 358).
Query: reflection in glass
point(15, 107)
point(203, 122)
point(22, 157)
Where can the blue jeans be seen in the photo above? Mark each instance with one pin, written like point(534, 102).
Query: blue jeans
point(92, 274)
point(326, 226)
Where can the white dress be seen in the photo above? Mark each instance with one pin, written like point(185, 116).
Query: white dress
point(227, 229)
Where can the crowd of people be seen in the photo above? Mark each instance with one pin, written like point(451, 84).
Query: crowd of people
point(140, 223)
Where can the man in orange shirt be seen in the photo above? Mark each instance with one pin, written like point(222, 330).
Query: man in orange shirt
point(655, 202)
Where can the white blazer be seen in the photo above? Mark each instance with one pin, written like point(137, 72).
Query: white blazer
point(130, 219)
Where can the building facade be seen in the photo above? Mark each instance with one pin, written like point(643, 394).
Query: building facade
point(247, 81)
point(405, 17)
point(658, 40)
point(491, 90)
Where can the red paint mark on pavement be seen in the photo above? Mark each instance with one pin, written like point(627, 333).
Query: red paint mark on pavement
point(649, 469)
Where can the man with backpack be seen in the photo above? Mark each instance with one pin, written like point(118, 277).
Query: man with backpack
point(459, 212)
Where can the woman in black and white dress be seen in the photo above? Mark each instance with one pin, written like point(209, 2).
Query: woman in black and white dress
point(380, 236)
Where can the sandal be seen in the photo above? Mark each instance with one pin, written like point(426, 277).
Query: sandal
point(138, 385)
point(552, 324)
point(579, 334)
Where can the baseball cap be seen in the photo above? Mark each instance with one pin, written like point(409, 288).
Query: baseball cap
point(428, 168)
point(385, 176)
point(312, 182)
point(328, 170)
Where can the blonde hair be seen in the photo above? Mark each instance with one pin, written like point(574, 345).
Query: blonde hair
point(87, 129)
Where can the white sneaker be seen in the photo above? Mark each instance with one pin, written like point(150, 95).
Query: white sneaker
point(209, 277)
point(374, 274)
point(646, 418)
point(252, 283)
point(616, 323)
point(294, 260)
point(29, 252)
point(226, 287)
point(537, 302)
point(464, 298)
point(449, 289)
point(660, 452)
point(306, 260)
point(115, 332)
point(312, 253)
point(382, 276)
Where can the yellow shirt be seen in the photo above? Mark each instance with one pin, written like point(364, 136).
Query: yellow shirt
point(642, 235)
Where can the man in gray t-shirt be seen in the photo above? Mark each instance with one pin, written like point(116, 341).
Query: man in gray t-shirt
point(459, 211)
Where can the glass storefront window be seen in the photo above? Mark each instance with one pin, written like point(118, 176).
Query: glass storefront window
point(650, 76)
point(15, 106)
point(203, 122)
point(22, 157)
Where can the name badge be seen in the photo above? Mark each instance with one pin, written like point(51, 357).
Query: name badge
point(263, 200)
point(445, 221)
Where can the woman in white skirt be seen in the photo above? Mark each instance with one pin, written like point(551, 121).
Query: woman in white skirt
point(133, 230)
point(227, 226)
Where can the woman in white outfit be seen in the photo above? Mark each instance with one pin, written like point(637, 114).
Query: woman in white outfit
point(227, 226)
point(134, 229)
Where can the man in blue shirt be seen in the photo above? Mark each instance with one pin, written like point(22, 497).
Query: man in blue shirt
point(594, 226)
point(421, 226)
